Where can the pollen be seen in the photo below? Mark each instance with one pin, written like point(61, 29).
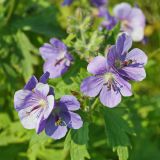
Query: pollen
point(58, 122)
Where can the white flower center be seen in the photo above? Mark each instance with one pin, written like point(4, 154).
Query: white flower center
point(42, 103)
point(108, 77)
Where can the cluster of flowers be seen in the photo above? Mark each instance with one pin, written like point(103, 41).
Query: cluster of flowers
point(132, 19)
point(36, 104)
point(37, 107)
point(112, 73)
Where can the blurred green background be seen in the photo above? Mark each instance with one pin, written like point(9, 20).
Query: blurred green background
point(24, 26)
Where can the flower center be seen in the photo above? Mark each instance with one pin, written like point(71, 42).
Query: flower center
point(108, 77)
point(42, 103)
point(118, 63)
point(58, 122)
point(126, 25)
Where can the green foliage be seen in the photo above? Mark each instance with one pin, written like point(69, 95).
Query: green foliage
point(122, 153)
point(131, 131)
point(88, 37)
point(29, 59)
point(76, 142)
point(117, 130)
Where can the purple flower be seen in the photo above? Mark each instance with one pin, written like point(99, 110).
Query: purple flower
point(67, 2)
point(109, 21)
point(34, 103)
point(105, 82)
point(99, 3)
point(63, 117)
point(57, 59)
point(128, 64)
point(132, 20)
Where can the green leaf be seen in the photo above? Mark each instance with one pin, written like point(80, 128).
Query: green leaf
point(122, 152)
point(67, 142)
point(76, 141)
point(78, 152)
point(44, 22)
point(5, 120)
point(38, 139)
point(36, 145)
point(18, 135)
point(26, 49)
point(80, 136)
point(117, 129)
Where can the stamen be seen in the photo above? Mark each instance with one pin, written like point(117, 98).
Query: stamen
point(58, 122)
point(108, 76)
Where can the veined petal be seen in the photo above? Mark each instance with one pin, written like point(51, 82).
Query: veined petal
point(91, 86)
point(59, 47)
point(56, 132)
point(20, 99)
point(122, 10)
point(136, 18)
point(75, 121)
point(31, 84)
point(40, 126)
point(112, 55)
point(44, 77)
point(51, 91)
point(124, 86)
point(47, 51)
point(55, 68)
point(110, 98)
point(42, 89)
point(137, 56)
point(70, 102)
point(48, 109)
point(97, 65)
point(123, 43)
point(55, 50)
point(134, 73)
point(30, 116)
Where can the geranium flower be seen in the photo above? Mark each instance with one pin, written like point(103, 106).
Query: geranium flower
point(105, 82)
point(57, 59)
point(34, 103)
point(109, 21)
point(128, 64)
point(132, 20)
point(63, 117)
